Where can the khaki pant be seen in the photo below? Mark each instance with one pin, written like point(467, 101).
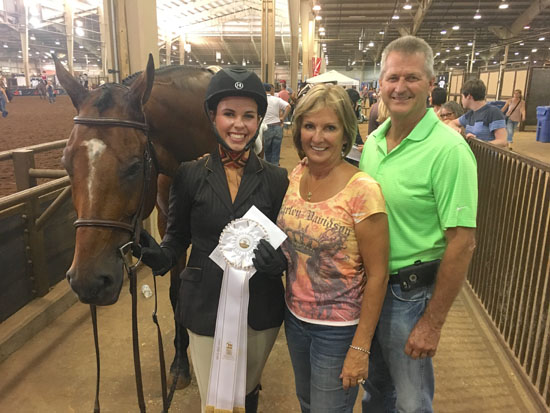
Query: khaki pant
point(259, 346)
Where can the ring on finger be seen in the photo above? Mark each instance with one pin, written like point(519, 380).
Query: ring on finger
point(360, 381)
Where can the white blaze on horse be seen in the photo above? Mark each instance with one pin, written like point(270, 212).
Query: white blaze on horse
point(126, 144)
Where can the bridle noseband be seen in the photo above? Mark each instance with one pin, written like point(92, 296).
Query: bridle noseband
point(134, 228)
point(149, 161)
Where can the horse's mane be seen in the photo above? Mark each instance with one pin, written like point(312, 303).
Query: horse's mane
point(167, 71)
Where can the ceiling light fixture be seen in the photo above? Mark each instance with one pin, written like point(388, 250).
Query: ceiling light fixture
point(407, 6)
point(534, 50)
point(395, 17)
point(477, 16)
point(457, 47)
point(371, 44)
point(526, 27)
point(321, 29)
point(541, 39)
point(316, 7)
point(503, 5)
point(318, 17)
point(443, 31)
point(456, 27)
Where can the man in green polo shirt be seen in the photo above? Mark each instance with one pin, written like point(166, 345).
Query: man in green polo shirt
point(428, 176)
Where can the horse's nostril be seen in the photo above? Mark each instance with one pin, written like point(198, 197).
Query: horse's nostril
point(69, 275)
point(106, 281)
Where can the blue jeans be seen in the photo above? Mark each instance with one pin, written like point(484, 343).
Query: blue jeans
point(396, 382)
point(273, 137)
point(510, 128)
point(317, 353)
point(2, 103)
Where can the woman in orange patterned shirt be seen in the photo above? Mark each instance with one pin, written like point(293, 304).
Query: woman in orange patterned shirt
point(337, 251)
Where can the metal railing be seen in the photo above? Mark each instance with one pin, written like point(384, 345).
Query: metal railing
point(510, 270)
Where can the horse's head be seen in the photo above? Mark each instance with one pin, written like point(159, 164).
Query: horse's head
point(106, 158)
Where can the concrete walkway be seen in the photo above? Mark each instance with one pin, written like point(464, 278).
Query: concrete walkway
point(55, 371)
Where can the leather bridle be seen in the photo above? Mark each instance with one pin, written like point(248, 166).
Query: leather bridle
point(134, 228)
point(148, 162)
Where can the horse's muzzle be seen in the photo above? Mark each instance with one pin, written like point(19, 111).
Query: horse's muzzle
point(99, 289)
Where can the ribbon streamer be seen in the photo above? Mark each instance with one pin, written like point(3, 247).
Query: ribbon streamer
point(227, 384)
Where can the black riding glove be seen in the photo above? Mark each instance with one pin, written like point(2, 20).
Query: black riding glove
point(269, 260)
point(152, 254)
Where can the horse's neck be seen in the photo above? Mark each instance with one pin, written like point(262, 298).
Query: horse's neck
point(187, 134)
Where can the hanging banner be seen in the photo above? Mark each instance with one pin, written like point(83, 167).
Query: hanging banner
point(316, 64)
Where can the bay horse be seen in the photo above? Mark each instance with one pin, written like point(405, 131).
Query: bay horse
point(104, 158)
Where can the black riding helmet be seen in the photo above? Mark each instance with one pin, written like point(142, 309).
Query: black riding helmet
point(235, 82)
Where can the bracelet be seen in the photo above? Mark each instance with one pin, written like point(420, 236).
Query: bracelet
point(364, 350)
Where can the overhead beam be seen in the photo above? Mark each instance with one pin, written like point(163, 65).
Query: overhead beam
point(528, 15)
point(255, 48)
point(403, 31)
point(225, 45)
point(423, 7)
point(504, 33)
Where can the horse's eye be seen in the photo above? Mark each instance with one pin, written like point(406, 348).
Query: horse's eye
point(132, 170)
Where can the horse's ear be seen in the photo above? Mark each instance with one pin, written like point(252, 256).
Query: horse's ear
point(141, 87)
point(73, 88)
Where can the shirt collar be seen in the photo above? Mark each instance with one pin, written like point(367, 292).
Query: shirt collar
point(420, 131)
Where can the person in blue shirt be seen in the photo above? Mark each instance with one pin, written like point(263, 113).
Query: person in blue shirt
point(483, 121)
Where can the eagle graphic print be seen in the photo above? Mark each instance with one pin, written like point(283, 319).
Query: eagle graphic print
point(326, 276)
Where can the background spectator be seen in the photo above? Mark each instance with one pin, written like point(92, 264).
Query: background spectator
point(515, 113)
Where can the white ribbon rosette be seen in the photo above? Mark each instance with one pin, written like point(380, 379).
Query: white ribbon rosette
point(234, 253)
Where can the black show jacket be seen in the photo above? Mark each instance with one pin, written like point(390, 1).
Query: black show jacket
point(200, 208)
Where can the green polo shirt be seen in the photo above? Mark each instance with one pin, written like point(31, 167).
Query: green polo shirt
point(429, 182)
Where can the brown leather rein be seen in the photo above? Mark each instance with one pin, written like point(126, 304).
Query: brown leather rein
point(134, 228)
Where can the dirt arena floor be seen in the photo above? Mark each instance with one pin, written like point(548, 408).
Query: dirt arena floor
point(32, 121)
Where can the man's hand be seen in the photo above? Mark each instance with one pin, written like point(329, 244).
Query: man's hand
point(423, 339)
point(470, 136)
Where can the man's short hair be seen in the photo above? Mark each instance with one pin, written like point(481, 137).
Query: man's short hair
point(439, 96)
point(268, 87)
point(474, 88)
point(410, 45)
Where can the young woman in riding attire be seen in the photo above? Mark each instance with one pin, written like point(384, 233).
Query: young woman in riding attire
point(205, 196)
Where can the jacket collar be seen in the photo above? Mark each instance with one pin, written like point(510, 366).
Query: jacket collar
point(218, 180)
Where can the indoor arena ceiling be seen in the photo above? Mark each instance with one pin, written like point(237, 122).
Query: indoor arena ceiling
point(355, 31)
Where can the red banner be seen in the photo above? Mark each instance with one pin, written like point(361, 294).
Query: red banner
point(316, 64)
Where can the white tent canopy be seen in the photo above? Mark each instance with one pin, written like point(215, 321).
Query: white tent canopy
point(332, 76)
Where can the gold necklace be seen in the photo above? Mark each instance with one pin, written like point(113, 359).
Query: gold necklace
point(310, 193)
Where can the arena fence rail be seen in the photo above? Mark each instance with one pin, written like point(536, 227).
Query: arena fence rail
point(37, 242)
point(510, 270)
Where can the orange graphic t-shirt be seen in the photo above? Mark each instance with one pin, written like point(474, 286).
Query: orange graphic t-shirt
point(326, 276)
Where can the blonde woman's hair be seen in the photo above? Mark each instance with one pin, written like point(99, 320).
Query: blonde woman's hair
point(320, 97)
point(383, 112)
